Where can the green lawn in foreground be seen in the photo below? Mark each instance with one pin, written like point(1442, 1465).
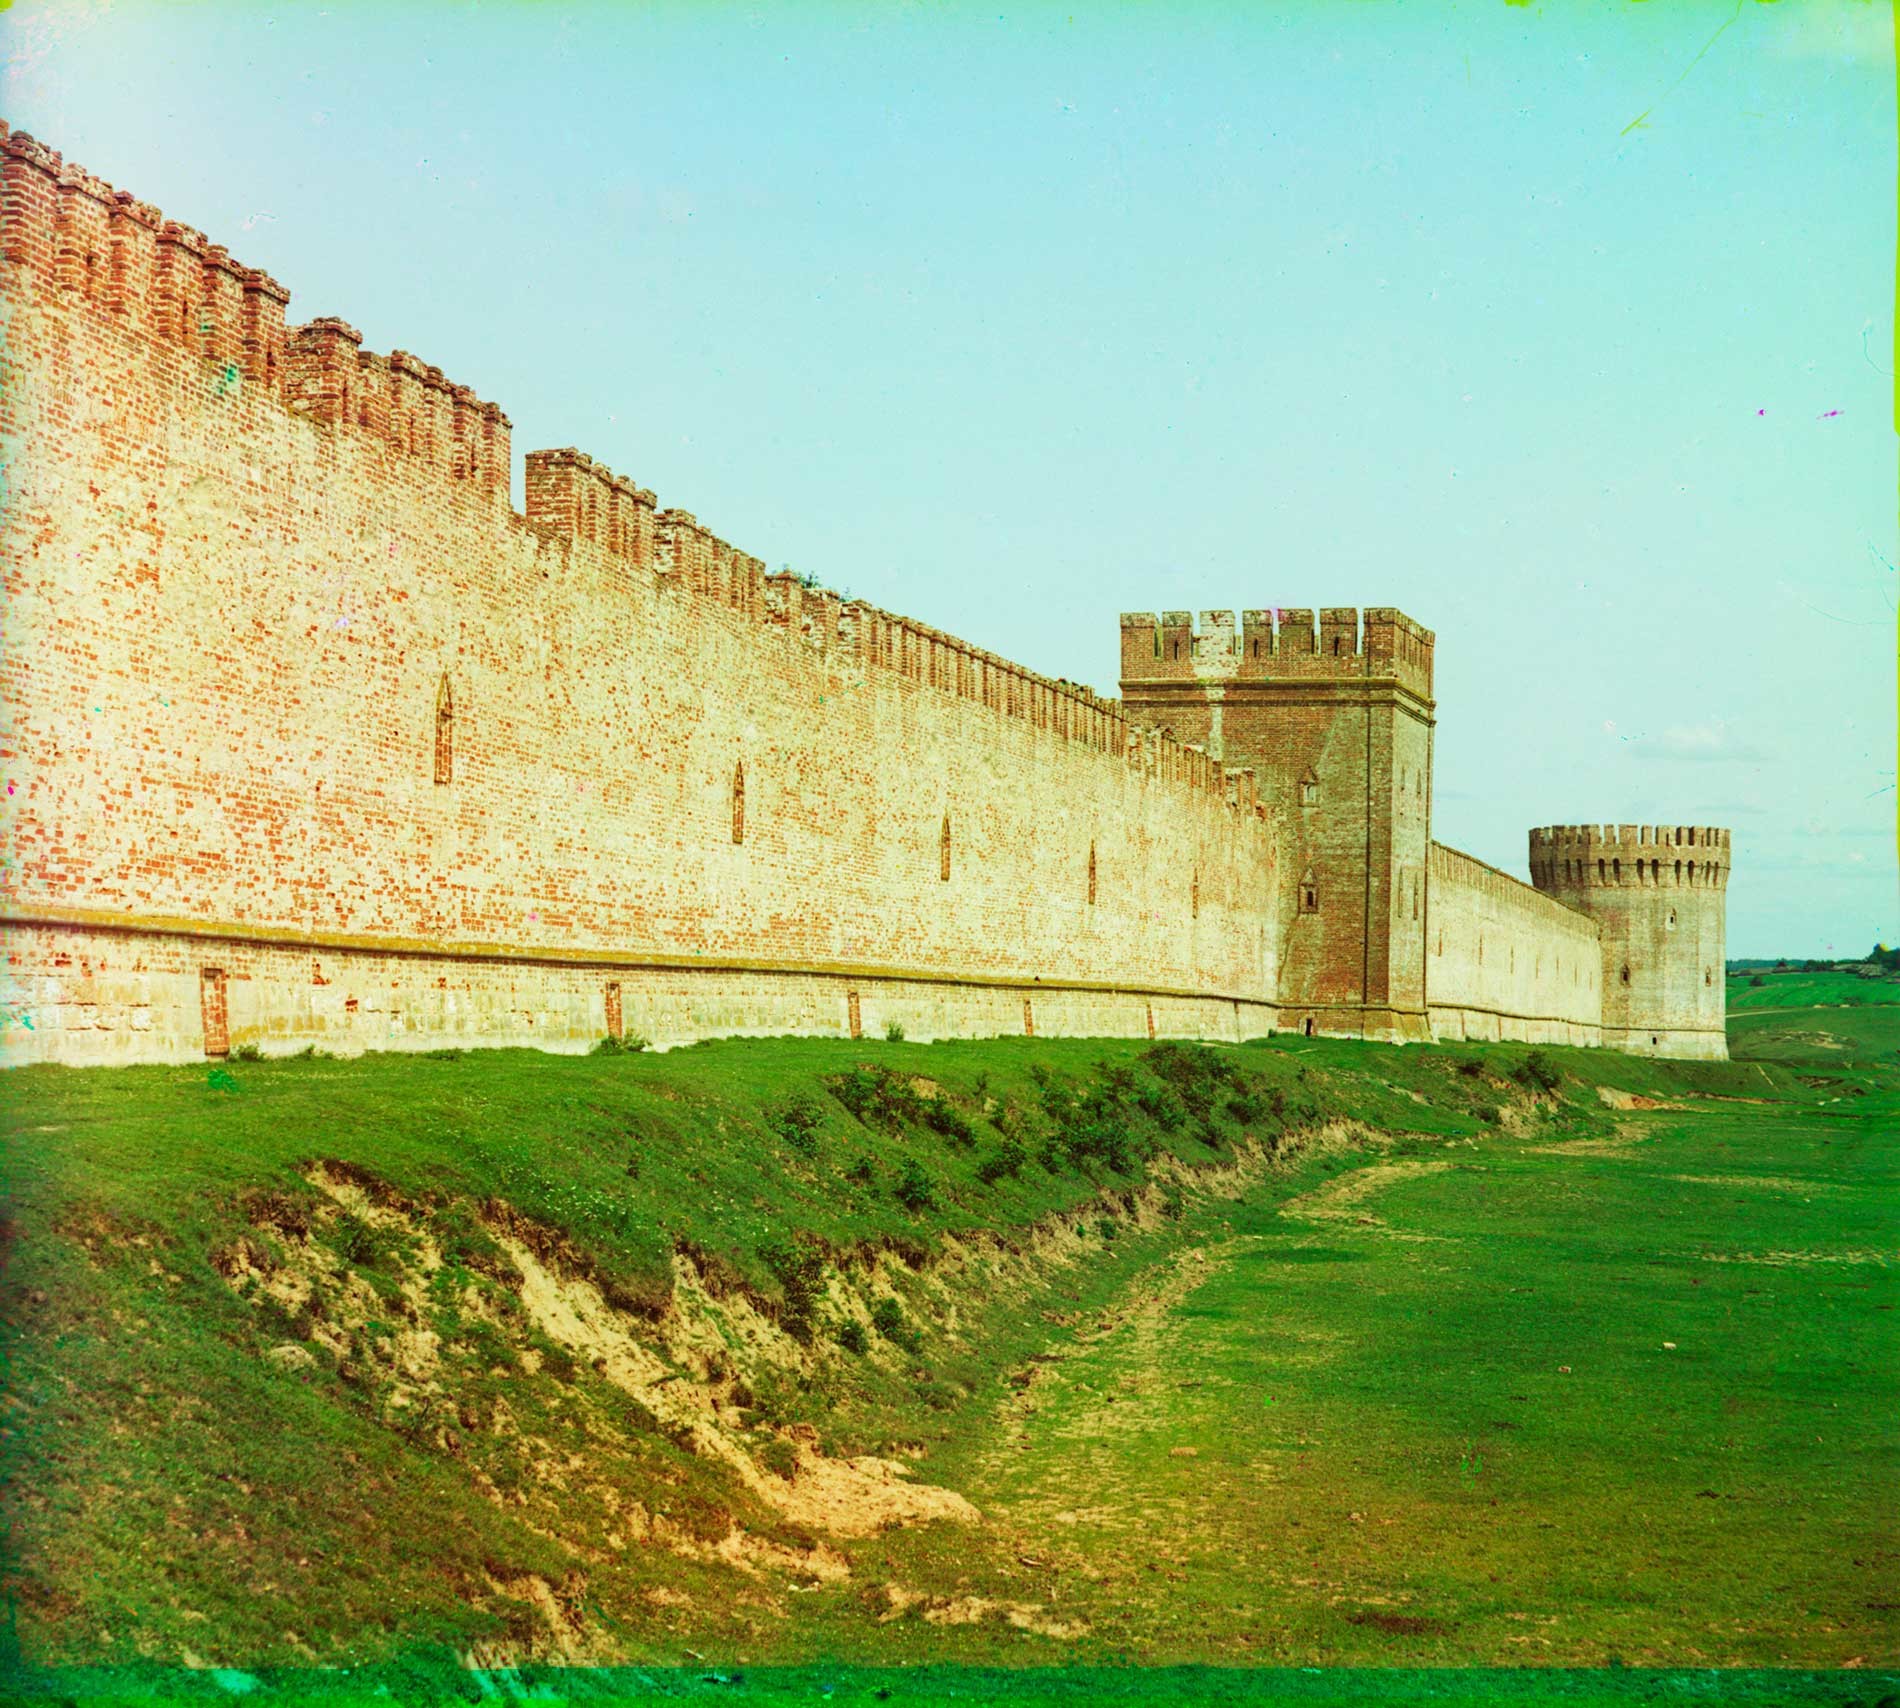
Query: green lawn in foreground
point(1328, 1422)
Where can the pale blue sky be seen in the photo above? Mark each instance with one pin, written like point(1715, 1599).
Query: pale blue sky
point(1013, 320)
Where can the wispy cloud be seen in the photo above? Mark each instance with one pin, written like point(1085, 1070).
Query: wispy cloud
point(1709, 742)
point(1860, 30)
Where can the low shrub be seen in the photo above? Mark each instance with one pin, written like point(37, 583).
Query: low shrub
point(878, 1097)
point(887, 1317)
point(850, 1335)
point(799, 1270)
point(780, 1457)
point(626, 1045)
point(943, 1116)
point(893, 1033)
point(797, 1124)
point(1003, 1163)
point(915, 1189)
point(1537, 1072)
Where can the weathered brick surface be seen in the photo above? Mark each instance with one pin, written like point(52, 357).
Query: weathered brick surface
point(293, 692)
point(311, 738)
point(1658, 894)
point(1337, 731)
point(1385, 933)
point(1507, 962)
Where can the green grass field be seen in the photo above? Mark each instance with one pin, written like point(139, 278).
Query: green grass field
point(1808, 990)
point(1300, 1354)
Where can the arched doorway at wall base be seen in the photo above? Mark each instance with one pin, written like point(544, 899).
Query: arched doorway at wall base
point(1308, 1028)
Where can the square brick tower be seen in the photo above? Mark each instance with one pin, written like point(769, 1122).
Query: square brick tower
point(1338, 732)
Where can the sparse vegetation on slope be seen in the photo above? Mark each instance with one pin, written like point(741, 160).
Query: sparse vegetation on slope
point(778, 1348)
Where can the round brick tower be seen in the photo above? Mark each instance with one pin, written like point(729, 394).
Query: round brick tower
point(1658, 894)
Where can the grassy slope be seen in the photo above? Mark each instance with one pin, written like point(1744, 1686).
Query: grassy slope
point(173, 1490)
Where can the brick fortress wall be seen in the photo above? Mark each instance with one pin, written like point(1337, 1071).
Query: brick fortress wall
point(312, 739)
point(1506, 962)
point(1337, 730)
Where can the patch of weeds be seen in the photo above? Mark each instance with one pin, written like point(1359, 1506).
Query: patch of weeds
point(893, 1033)
point(878, 1097)
point(467, 1244)
point(887, 1317)
point(627, 1045)
point(943, 1116)
point(246, 1053)
point(1162, 1106)
point(915, 1189)
point(1003, 1163)
point(310, 1053)
point(445, 1055)
point(863, 1171)
point(797, 1123)
point(799, 1269)
point(1490, 1114)
point(850, 1335)
point(1471, 1068)
point(780, 1457)
point(1537, 1072)
point(360, 1244)
point(1194, 1072)
point(1108, 1228)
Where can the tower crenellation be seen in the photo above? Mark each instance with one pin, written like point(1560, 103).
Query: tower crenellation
point(1277, 643)
point(1658, 895)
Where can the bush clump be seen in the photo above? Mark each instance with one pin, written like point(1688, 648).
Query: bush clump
point(797, 1124)
point(850, 1335)
point(887, 1317)
point(943, 1116)
point(799, 1270)
point(1003, 1163)
point(1537, 1072)
point(878, 1097)
point(915, 1189)
point(627, 1044)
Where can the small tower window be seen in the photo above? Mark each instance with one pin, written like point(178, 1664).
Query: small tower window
point(1194, 896)
point(1603, 876)
point(1091, 874)
point(1309, 894)
point(1708, 978)
point(738, 802)
point(1625, 974)
point(444, 731)
point(1669, 924)
point(1309, 789)
point(943, 851)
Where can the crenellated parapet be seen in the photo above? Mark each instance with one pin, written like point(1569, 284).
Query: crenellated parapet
point(1629, 856)
point(399, 402)
point(71, 240)
point(1277, 644)
point(570, 494)
point(75, 244)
